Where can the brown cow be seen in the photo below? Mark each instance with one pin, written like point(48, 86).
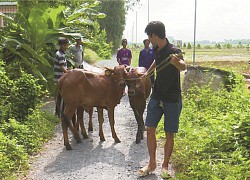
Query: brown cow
point(138, 91)
point(84, 89)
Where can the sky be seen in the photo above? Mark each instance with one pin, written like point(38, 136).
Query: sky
point(216, 20)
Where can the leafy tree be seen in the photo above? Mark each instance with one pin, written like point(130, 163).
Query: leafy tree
point(30, 39)
point(198, 46)
point(114, 23)
point(184, 45)
point(189, 46)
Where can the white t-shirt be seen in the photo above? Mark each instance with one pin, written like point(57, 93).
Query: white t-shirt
point(77, 52)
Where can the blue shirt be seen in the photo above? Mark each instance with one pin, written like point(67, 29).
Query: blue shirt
point(146, 58)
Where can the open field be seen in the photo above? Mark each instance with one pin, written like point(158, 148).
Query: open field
point(236, 59)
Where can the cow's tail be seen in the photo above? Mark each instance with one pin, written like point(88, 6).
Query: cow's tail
point(59, 100)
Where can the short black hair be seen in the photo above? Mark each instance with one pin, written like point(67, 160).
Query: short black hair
point(144, 41)
point(63, 40)
point(156, 27)
point(125, 40)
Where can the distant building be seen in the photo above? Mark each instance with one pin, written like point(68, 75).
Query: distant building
point(170, 39)
point(7, 8)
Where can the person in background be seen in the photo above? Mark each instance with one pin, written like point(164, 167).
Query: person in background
point(60, 67)
point(78, 53)
point(124, 55)
point(146, 58)
point(166, 96)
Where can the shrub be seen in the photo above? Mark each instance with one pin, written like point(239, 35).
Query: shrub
point(213, 141)
point(25, 95)
point(5, 89)
point(90, 56)
point(12, 156)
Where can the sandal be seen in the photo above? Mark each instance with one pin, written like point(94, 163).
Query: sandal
point(165, 174)
point(145, 171)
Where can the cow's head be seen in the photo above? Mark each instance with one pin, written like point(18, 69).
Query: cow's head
point(134, 81)
point(118, 74)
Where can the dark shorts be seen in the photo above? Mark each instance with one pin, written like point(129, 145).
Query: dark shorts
point(171, 111)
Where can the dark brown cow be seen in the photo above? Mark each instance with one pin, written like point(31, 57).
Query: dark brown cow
point(84, 89)
point(138, 91)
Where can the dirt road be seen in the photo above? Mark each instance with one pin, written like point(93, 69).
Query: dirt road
point(94, 159)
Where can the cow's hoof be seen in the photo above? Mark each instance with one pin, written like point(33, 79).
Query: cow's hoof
point(90, 129)
point(102, 139)
point(78, 139)
point(68, 147)
point(138, 141)
point(85, 136)
point(117, 140)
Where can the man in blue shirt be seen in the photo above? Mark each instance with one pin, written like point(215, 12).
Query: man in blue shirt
point(146, 58)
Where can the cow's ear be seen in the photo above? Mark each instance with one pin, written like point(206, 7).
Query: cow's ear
point(108, 72)
point(128, 68)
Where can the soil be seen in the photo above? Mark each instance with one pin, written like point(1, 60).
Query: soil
point(93, 159)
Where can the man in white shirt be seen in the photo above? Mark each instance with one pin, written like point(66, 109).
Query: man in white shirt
point(78, 53)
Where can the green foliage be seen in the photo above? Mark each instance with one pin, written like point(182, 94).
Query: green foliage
point(184, 45)
point(198, 46)
point(99, 44)
point(213, 141)
point(90, 56)
point(189, 46)
point(218, 46)
point(114, 23)
point(12, 156)
point(18, 140)
point(25, 95)
point(207, 47)
point(5, 89)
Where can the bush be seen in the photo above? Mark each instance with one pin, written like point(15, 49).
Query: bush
point(5, 89)
point(213, 141)
point(18, 140)
point(12, 156)
point(25, 95)
point(90, 56)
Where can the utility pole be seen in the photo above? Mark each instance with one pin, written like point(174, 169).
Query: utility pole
point(148, 11)
point(194, 32)
point(136, 30)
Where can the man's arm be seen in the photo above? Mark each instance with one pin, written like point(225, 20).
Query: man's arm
point(178, 63)
point(63, 68)
point(118, 58)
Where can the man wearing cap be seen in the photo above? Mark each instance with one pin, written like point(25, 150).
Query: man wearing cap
point(124, 55)
point(78, 53)
point(60, 67)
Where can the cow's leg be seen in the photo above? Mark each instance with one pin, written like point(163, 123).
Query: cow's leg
point(80, 121)
point(101, 120)
point(69, 112)
point(138, 120)
point(65, 132)
point(141, 111)
point(112, 124)
point(75, 121)
point(90, 129)
point(138, 112)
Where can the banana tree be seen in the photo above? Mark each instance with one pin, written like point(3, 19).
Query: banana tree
point(29, 41)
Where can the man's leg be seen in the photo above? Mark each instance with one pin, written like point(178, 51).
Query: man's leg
point(152, 144)
point(168, 148)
